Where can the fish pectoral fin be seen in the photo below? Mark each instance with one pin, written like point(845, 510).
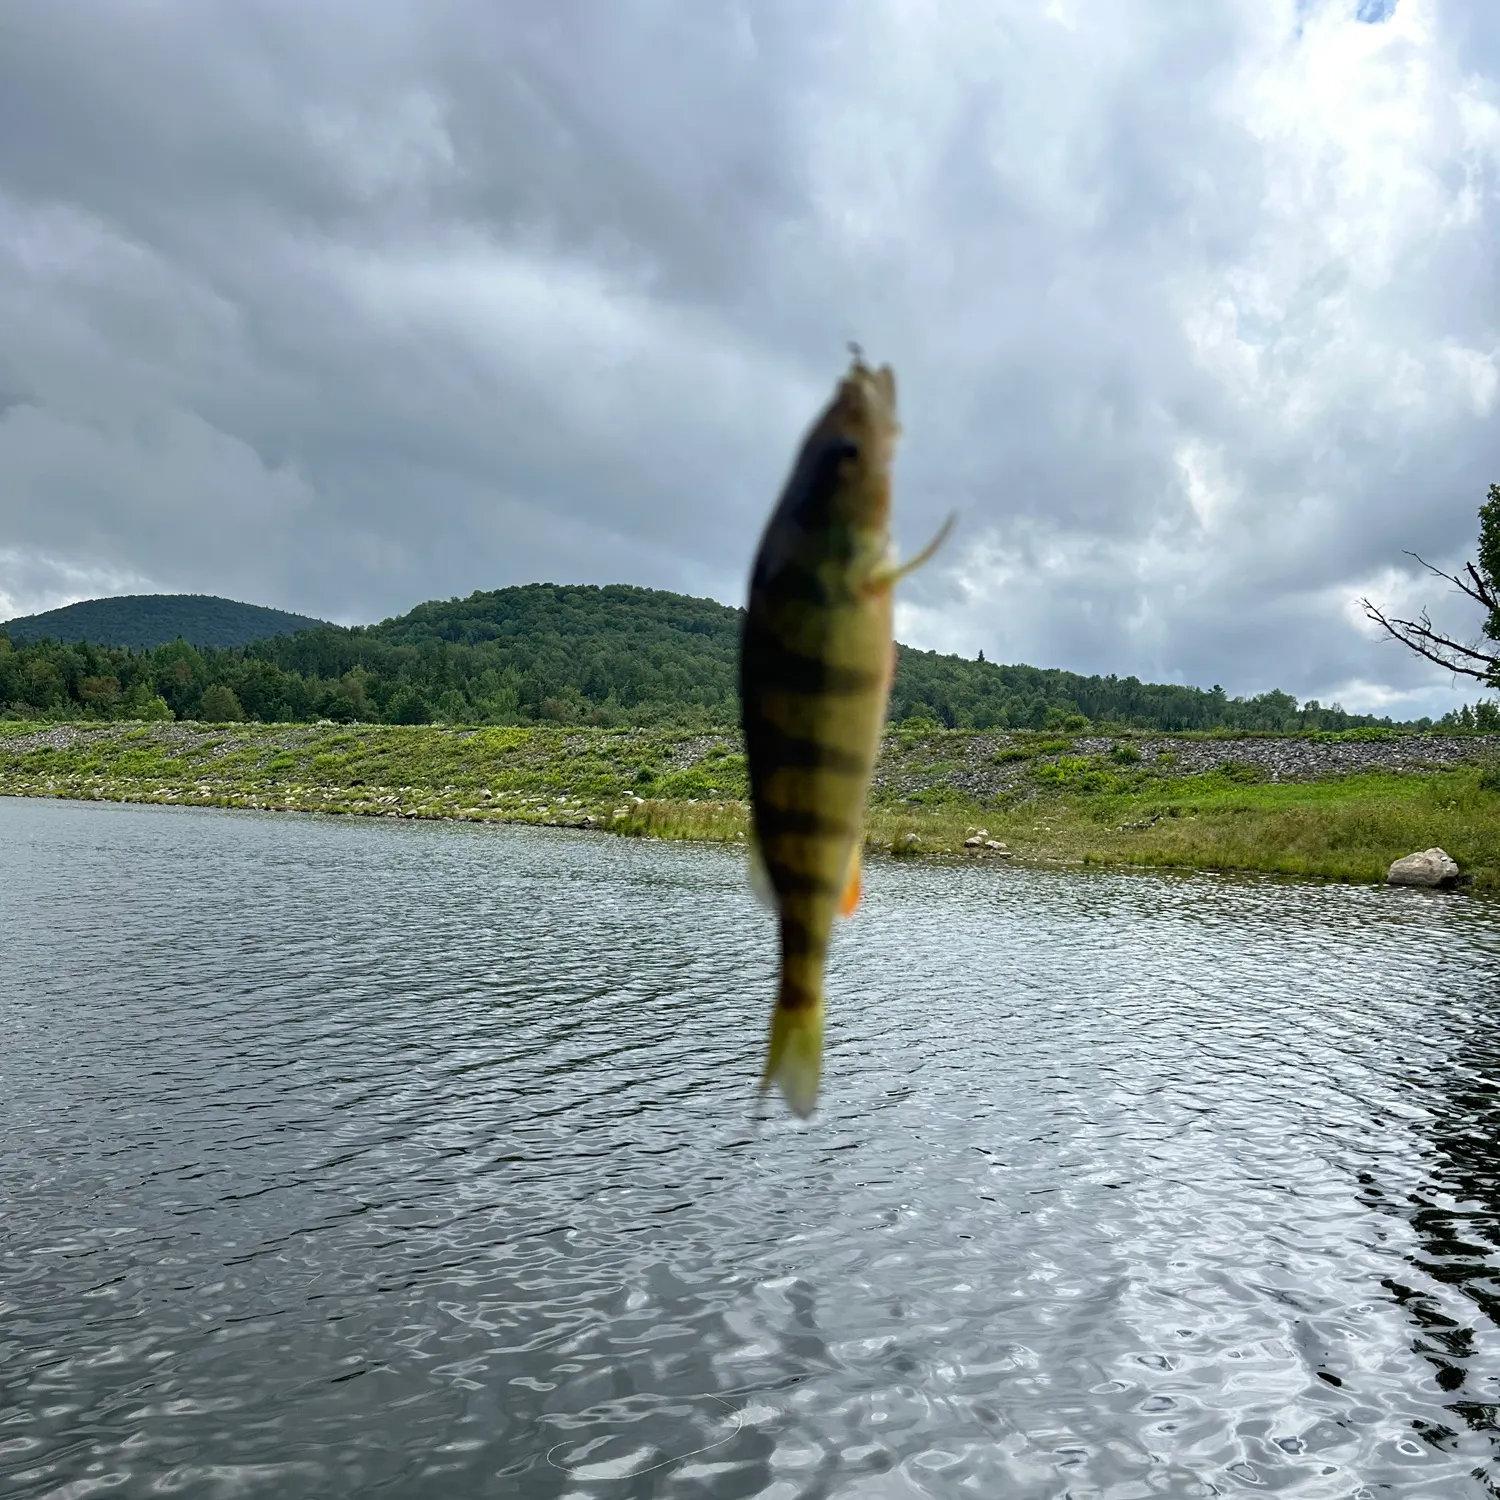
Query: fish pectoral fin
point(853, 886)
point(889, 576)
point(760, 877)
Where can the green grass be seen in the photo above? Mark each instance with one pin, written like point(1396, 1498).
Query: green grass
point(1049, 803)
point(1345, 829)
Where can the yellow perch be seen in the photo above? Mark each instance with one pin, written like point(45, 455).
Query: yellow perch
point(816, 663)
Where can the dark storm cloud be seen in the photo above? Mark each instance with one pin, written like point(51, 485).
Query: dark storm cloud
point(339, 308)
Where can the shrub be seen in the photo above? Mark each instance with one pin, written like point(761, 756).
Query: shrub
point(220, 705)
point(1237, 770)
point(144, 704)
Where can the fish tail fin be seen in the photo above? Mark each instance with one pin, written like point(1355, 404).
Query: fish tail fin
point(794, 1058)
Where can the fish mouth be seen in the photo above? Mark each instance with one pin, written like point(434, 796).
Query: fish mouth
point(867, 396)
point(863, 416)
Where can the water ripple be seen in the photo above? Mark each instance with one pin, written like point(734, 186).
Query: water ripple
point(417, 1160)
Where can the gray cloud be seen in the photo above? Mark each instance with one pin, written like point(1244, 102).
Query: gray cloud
point(1193, 305)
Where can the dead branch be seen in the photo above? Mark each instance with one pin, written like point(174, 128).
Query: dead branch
point(1419, 636)
point(1475, 588)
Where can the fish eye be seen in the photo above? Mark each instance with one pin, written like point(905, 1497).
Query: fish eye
point(842, 454)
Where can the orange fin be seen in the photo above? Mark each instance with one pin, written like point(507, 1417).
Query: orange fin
point(853, 887)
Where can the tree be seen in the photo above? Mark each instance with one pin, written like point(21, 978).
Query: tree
point(408, 706)
point(220, 706)
point(1479, 581)
point(99, 693)
point(144, 704)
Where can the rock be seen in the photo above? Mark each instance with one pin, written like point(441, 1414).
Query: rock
point(974, 843)
point(912, 838)
point(996, 845)
point(1430, 868)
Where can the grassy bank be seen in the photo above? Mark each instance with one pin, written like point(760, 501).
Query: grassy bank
point(1337, 807)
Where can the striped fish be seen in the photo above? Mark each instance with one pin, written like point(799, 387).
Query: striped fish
point(816, 662)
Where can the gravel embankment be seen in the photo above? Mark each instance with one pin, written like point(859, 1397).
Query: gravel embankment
point(975, 770)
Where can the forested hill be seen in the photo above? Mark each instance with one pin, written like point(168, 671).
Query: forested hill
point(146, 620)
point(571, 654)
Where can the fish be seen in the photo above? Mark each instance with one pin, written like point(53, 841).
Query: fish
point(817, 657)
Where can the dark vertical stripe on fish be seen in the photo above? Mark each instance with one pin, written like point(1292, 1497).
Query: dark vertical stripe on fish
point(796, 671)
point(807, 822)
point(793, 882)
point(808, 502)
point(800, 751)
point(794, 583)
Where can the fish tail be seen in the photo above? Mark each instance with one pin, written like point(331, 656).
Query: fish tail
point(794, 1058)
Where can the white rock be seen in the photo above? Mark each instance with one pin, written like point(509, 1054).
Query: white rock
point(996, 845)
point(1430, 868)
point(974, 843)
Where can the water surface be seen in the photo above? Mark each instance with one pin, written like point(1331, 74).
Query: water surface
point(346, 1157)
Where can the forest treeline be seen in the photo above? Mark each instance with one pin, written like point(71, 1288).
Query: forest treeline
point(571, 654)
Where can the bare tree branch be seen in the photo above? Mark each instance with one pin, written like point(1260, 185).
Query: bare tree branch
point(1480, 592)
point(1419, 636)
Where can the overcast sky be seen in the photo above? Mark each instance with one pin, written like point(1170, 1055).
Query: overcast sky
point(343, 306)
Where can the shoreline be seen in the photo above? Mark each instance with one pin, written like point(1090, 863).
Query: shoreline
point(1326, 807)
point(933, 858)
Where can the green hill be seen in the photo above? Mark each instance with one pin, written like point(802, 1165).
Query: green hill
point(146, 620)
point(571, 654)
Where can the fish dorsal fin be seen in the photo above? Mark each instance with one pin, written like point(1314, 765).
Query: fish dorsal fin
point(853, 886)
point(760, 877)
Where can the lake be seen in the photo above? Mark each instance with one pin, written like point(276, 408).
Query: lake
point(377, 1157)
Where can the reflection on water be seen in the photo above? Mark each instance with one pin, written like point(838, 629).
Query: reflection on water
point(343, 1157)
point(1454, 1297)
